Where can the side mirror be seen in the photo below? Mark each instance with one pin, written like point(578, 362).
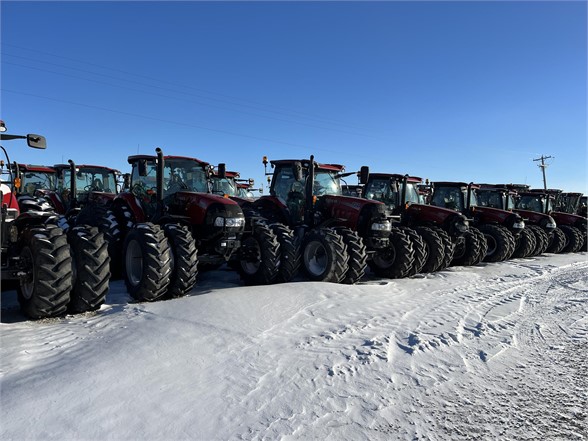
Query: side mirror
point(222, 170)
point(364, 174)
point(142, 166)
point(36, 141)
point(297, 169)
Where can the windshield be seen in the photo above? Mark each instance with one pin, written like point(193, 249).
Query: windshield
point(91, 179)
point(532, 203)
point(489, 198)
point(412, 193)
point(449, 197)
point(224, 186)
point(33, 181)
point(326, 183)
point(178, 175)
point(382, 190)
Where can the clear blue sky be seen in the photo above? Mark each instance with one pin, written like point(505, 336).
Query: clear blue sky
point(465, 91)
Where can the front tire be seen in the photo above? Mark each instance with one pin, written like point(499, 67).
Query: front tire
point(146, 262)
point(324, 255)
point(397, 260)
point(500, 242)
point(45, 289)
point(259, 256)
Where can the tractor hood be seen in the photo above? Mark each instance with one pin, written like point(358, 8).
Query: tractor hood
point(534, 217)
point(429, 213)
point(356, 213)
point(197, 205)
point(574, 220)
point(488, 215)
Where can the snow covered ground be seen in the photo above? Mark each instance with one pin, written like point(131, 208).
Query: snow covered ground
point(496, 351)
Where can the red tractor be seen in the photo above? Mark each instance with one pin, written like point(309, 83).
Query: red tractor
point(500, 227)
point(540, 234)
point(339, 236)
point(230, 185)
point(167, 205)
point(447, 235)
point(35, 252)
point(573, 226)
point(37, 191)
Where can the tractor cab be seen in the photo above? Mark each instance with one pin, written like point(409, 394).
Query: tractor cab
point(34, 180)
point(496, 196)
point(91, 184)
point(457, 196)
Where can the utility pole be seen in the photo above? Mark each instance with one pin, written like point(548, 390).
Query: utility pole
point(542, 167)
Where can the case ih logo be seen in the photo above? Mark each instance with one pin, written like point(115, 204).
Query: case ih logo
point(353, 205)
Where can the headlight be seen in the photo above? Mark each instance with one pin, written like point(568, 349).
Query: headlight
point(382, 226)
point(229, 222)
point(518, 225)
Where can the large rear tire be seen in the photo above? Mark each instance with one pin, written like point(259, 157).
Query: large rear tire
point(541, 237)
point(419, 248)
point(146, 262)
point(324, 255)
point(525, 244)
point(397, 260)
point(357, 255)
point(483, 245)
point(45, 289)
point(259, 256)
point(466, 253)
point(448, 247)
point(90, 266)
point(574, 239)
point(434, 247)
point(557, 241)
point(290, 259)
point(500, 242)
point(184, 260)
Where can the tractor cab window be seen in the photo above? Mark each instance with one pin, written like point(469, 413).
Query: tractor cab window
point(33, 181)
point(532, 203)
point(412, 193)
point(510, 202)
point(382, 190)
point(140, 185)
point(224, 186)
point(448, 197)
point(183, 175)
point(473, 197)
point(491, 199)
point(326, 182)
point(89, 179)
point(284, 182)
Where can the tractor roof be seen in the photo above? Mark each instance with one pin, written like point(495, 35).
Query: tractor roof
point(453, 184)
point(135, 158)
point(396, 176)
point(36, 168)
point(552, 191)
point(80, 166)
point(304, 162)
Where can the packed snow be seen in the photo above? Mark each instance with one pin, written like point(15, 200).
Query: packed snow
point(496, 351)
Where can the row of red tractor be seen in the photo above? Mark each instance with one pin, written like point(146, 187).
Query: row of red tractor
point(68, 229)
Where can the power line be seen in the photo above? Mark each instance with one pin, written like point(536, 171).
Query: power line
point(250, 104)
point(185, 100)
